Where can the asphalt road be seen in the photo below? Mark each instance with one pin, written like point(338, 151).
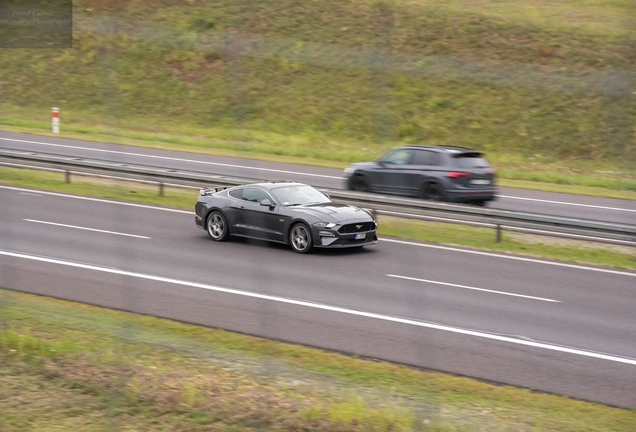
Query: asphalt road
point(602, 209)
point(548, 326)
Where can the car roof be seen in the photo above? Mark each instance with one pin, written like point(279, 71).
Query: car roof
point(448, 148)
point(272, 184)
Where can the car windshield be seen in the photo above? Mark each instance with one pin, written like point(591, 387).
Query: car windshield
point(398, 157)
point(299, 195)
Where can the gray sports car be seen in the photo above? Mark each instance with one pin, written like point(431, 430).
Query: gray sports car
point(284, 212)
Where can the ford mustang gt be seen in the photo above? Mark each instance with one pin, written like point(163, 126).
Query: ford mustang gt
point(284, 212)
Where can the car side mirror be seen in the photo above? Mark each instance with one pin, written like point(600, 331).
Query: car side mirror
point(267, 203)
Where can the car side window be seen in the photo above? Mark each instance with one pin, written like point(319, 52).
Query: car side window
point(432, 158)
point(236, 193)
point(426, 157)
point(255, 195)
point(398, 157)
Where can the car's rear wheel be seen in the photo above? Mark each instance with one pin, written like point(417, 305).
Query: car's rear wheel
point(300, 238)
point(217, 226)
point(360, 183)
point(434, 192)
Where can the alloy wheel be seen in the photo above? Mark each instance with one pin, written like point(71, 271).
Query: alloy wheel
point(217, 228)
point(301, 238)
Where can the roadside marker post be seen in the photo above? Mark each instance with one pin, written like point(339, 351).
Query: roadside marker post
point(56, 120)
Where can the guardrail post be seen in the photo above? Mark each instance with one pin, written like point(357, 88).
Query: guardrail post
point(67, 176)
point(498, 233)
point(56, 120)
point(160, 189)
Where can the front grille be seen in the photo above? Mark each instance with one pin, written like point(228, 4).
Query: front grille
point(356, 228)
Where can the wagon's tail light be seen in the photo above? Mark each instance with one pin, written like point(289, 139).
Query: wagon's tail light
point(456, 174)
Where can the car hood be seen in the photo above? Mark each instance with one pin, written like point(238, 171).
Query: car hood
point(331, 212)
point(363, 165)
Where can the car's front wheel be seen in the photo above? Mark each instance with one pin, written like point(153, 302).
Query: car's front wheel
point(300, 238)
point(360, 183)
point(217, 226)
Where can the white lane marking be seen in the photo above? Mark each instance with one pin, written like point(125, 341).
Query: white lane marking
point(494, 255)
point(308, 304)
point(472, 288)
point(569, 203)
point(173, 159)
point(510, 257)
point(99, 200)
point(86, 229)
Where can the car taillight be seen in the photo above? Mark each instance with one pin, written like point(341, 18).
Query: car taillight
point(494, 173)
point(456, 175)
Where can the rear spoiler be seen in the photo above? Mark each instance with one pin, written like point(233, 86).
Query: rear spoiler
point(475, 154)
point(212, 190)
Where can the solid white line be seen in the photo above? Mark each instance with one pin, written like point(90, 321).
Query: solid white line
point(510, 257)
point(494, 255)
point(87, 229)
point(98, 200)
point(473, 288)
point(172, 158)
point(568, 203)
point(337, 309)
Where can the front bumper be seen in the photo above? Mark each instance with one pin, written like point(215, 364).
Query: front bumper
point(336, 240)
point(198, 220)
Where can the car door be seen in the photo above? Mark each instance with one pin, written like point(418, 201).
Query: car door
point(391, 174)
point(231, 211)
point(257, 220)
point(422, 167)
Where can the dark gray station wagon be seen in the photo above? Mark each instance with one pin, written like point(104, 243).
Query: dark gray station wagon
point(452, 174)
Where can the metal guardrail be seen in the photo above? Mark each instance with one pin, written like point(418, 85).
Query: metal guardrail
point(404, 207)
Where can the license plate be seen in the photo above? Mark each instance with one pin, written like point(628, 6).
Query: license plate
point(360, 236)
point(480, 182)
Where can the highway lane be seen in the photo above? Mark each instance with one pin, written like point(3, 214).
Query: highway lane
point(434, 307)
point(605, 209)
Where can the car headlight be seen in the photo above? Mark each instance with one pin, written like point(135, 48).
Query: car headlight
point(324, 224)
point(349, 170)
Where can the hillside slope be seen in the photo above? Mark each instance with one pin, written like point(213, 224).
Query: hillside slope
point(343, 80)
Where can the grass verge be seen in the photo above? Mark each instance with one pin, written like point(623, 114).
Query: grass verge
point(68, 366)
point(433, 232)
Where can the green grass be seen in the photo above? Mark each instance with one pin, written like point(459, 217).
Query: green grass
point(431, 232)
point(545, 89)
point(68, 366)
point(102, 188)
point(511, 243)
